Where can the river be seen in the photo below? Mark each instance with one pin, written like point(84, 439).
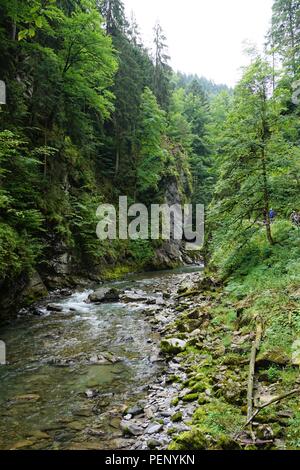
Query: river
point(57, 391)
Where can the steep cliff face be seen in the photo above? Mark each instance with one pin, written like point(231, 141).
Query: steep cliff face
point(173, 252)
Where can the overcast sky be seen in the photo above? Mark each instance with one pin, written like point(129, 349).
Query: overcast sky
point(205, 36)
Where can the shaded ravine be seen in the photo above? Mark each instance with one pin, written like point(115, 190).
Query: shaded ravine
point(72, 372)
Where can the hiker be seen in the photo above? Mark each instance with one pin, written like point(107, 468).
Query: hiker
point(295, 218)
point(272, 215)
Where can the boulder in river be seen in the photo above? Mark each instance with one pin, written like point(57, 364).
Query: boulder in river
point(91, 393)
point(27, 397)
point(54, 308)
point(104, 295)
point(134, 296)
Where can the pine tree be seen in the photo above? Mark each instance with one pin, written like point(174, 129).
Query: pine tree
point(162, 72)
point(150, 165)
point(284, 37)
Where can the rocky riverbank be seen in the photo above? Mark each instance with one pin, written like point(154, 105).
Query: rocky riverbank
point(200, 400)
point(159, 361)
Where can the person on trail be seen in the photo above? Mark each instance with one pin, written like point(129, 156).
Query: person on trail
point(272, 215)
point(295, 218)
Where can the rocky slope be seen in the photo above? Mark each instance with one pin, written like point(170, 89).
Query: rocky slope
point(200, 401)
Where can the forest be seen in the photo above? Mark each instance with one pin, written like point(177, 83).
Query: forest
point(92, 114)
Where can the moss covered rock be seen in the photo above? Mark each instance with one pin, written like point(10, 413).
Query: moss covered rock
point(191, 440)
point(173, 346)
point(273, 356)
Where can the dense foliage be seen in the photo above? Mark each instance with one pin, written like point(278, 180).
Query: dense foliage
point(91, 114)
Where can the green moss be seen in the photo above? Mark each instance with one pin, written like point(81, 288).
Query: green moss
point(169, 347)
point(191, 440)
point(203, 399)
point(218, 418)
point(293, 432)
point(177, 417)
point(117, 272)
point(175, 401)
point(190, 397)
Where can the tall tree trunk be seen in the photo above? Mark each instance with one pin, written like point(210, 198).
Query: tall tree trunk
point(292, 33)
point(266, 198)
point(266, 193)
point(14, 31)
point(117, 160)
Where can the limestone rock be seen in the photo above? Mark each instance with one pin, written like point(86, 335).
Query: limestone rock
point(104, 295)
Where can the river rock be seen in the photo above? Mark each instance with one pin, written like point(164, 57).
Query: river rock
point(131, 428)
point(134, 410)
point(91, 393)
point(22, 444)
point(104, 295)
point(28, 397)
point(54, 308)
point(154, 428)
point(95, 432)
point(132, 296)
point(111, 357)
point(35, 288)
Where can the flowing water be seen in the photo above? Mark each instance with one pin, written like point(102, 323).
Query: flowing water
point(53, 368)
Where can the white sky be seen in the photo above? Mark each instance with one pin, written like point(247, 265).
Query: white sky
point(205, 36)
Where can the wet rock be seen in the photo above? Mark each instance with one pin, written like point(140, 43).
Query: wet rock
point(22, 444)
point(131, 428)
point(28, 397)
point(121, 443)
point(104, 295)
point(111, 357)
point(54, 308)
point(83, 412)
point(85, 446)
point(155, 358)
point(38, 435)
point(127, 417)
point(35, 289)
point(91, 393)
point(132, 296)
point(76, 425)
point(104, 358)
point(98, 359)
point(95, 432)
